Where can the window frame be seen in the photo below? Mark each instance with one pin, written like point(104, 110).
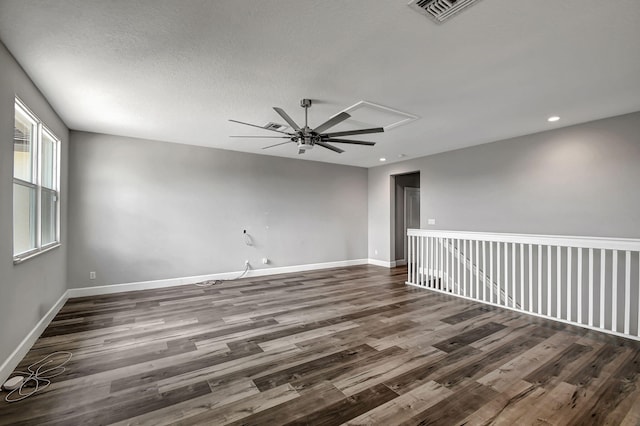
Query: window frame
point(37, 166)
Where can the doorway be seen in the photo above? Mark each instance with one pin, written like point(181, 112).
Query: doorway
point(407, 212)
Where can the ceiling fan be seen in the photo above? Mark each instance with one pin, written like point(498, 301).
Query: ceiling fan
point(306, 138)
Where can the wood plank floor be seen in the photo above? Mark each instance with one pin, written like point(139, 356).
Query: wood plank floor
point(349, 345)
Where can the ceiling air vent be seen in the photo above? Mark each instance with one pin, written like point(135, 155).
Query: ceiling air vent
point(440, 10)
point(275, 126)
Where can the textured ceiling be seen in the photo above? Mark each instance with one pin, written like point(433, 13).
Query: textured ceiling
point(178, 70)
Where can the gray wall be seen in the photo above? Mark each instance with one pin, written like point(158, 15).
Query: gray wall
point(578, 180)
point(145, 210)
point(27, 290)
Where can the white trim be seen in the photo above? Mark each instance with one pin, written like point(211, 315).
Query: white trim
point(401, 262)
point(601, 330)
point(171, 282)
point(548, 240)
point(382, 263)
point(20, 352)
point(33, 253)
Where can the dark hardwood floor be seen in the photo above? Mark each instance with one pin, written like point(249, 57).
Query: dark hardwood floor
point(349, 345)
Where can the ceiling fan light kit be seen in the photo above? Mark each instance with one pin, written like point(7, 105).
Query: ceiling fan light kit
point(306, 138)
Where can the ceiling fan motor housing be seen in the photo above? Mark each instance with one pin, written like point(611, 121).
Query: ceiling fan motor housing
point(305, 143)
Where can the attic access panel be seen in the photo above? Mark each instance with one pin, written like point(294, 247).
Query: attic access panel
point(367, 114)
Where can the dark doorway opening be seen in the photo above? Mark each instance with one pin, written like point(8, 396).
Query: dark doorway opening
point(406, 212)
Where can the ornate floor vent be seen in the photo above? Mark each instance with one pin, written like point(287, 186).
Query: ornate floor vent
point(440, 10)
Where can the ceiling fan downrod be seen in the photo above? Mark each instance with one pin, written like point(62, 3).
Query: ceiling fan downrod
point(305, 103)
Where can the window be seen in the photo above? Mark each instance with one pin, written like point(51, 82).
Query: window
point(36, 207)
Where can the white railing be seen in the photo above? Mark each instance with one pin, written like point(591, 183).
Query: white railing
point(590, 282)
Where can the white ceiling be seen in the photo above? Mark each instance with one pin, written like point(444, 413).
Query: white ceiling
point(177, 70)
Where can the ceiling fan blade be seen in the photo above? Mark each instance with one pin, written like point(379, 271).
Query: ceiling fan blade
point(331, 122)
point(278, 144)
point(355, 132)
point(348, 141)
point(259, 127)
point(331, 147)
point(286, 118)
point(262, 137)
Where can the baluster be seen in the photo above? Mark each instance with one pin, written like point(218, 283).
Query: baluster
point(453, 266)
point(459, 260)
point(591, 287)
point(415, 260)
point(484, 270)
point(415, 255)
point(448, 261)
point(464, 268)
point(579, 283)
point(602, 281)
point(409, 258)
point(549, 269)
point(491, 271)
point(430, 258)
point(421, 260)
point(426, 261)
point(444, 265)
point(445, 276)
point(433, 263)
point(498, 281)
point(627, 291)
point(539, 279)
point(614, 292)
point(559, 283)
point(514, 297)
point(522, 276)
point(506, 274)
point(569, 250)
point(441, 265)
point(421, 268)
point(530, 278)
point(476, 268)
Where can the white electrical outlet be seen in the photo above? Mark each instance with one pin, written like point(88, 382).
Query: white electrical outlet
point(246, 262)
point(431, 221)
point(265, 261)
point(92, 275)
point(375, 251)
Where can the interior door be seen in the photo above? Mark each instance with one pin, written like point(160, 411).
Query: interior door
point(411, 212)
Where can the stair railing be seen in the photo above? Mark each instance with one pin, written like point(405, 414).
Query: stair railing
point(586, 281)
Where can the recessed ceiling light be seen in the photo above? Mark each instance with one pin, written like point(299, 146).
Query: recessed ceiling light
point(552, 119)
point(383, 159)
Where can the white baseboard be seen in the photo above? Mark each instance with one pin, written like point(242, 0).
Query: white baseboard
point(382, 263)
point(19, 353)
point(171, 282)
point(401, 262)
